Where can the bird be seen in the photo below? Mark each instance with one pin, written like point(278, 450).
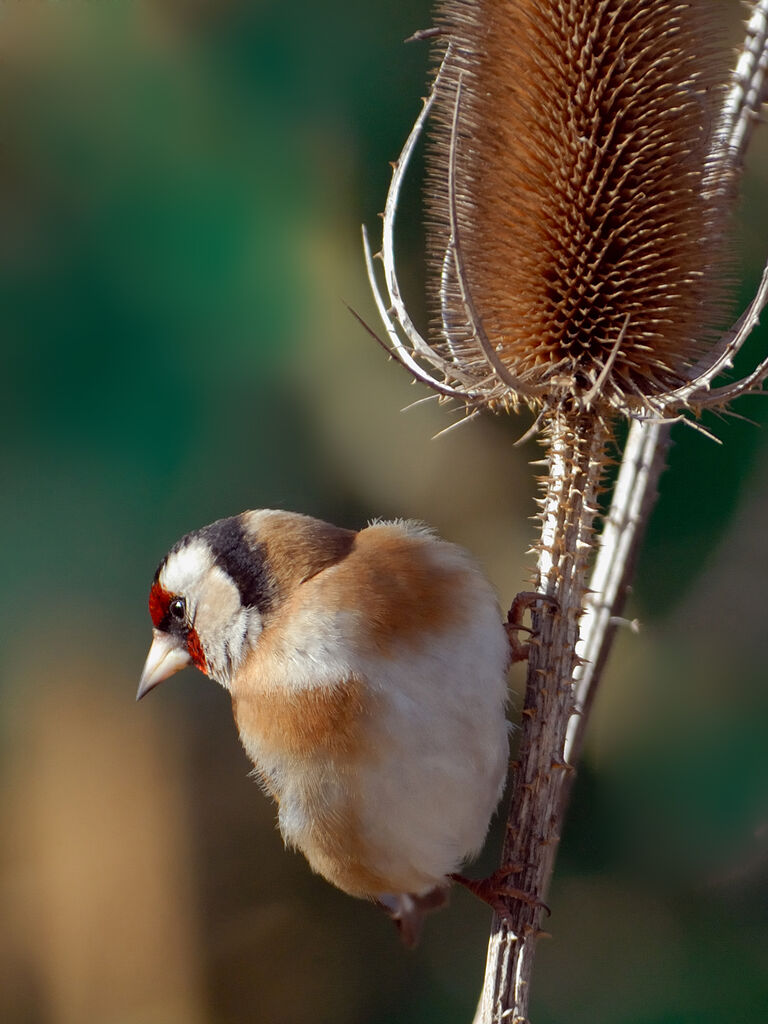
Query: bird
point(368, 677)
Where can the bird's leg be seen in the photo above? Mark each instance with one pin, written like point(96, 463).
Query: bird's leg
point(408, 911)
point(496, 892)
point(525, 600)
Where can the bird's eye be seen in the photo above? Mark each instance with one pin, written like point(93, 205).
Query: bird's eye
point(178, 609)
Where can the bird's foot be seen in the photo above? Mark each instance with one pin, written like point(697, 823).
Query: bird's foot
point(525, 601)
point(496, 891)
point(408, 911)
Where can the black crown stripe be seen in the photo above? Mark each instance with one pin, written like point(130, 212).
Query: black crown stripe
point(244, 562)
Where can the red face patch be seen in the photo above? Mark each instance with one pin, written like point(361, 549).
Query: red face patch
point(195, 649)
point(159, 599)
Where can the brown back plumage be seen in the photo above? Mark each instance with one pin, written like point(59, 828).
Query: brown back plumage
point(587, 200)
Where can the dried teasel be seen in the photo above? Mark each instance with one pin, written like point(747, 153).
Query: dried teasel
point(578, 196)
point(583, 162)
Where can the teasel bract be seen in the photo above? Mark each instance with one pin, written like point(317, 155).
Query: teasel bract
point(582, 168)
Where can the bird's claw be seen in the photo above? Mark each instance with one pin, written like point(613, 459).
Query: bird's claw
point(525, 600)
point(497, 893)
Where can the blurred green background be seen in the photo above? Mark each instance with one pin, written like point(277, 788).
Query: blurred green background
point(181, 188)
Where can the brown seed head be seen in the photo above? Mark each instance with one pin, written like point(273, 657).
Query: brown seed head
point(590, 214)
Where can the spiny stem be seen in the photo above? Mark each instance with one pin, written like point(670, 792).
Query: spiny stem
point(576, 458)
point(634, 496)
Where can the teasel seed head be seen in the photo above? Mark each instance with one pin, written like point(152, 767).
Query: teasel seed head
point(577, 205)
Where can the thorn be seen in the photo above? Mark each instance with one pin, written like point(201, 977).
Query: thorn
point(424, 33)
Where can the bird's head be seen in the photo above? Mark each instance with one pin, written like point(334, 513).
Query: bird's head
point(207, 602)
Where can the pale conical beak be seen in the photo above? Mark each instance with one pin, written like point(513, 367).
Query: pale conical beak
point(166, 656)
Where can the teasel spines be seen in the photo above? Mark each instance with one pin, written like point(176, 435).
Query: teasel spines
point(572, 147)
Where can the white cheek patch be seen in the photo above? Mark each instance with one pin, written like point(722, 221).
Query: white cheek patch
point(222, 623)
point(220, 611)
point(218, 604)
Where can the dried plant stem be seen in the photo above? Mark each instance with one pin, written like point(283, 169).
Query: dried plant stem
point(634, 496)
point(576, 458)
point(741, 110)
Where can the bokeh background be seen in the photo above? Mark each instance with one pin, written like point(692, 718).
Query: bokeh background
point(181, 188)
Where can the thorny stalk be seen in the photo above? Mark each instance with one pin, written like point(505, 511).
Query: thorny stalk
point(575, 461)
